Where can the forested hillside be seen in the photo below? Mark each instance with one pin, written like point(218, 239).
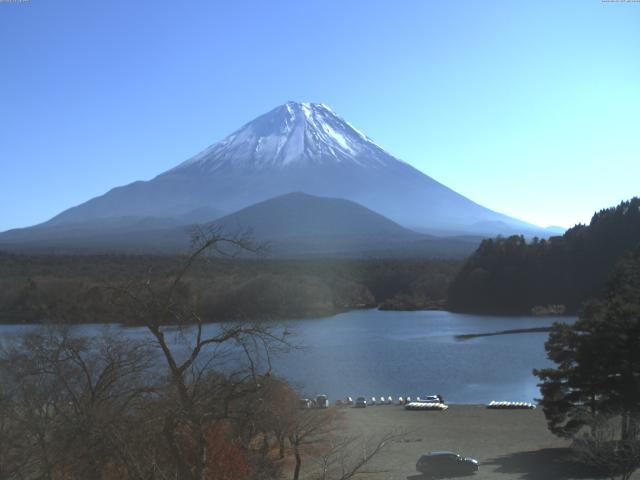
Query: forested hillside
point(79, 289)
point(510, 275)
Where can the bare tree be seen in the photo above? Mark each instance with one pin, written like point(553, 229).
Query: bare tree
point(277, 409)
point(315, 434)
point(309, 428)
point(161, 308)
point(12, 440)
point(350, 456)
point(72, 402)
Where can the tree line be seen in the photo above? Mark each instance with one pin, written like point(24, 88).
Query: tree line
point(511, 275)
point(78, 287)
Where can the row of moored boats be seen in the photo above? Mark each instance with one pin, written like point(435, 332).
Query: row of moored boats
point(511, 405)
point(430, 402)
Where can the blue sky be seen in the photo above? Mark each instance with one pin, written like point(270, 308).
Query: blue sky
point(529, 108)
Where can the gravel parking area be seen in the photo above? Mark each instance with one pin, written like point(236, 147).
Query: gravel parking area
point(510, 444)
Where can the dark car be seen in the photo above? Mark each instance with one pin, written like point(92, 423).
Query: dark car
point(361, 402)
point(322, 401)
point(443, 464)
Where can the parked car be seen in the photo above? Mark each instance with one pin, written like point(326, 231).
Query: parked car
point(304, 403)
point(443, 464)
point(322, 401)
point(361, 402)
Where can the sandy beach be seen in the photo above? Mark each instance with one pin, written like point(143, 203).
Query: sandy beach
point(510, 444)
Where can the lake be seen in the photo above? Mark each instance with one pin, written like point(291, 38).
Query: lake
point(373, 353)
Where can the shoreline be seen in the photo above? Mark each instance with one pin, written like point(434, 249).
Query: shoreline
point(321, 315)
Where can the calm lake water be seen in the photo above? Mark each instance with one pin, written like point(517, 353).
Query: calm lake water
point(374, 353)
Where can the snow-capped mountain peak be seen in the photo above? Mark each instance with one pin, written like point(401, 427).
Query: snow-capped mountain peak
point(296, 133)
point(296, 147)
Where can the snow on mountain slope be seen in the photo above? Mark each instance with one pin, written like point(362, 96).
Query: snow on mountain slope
point(297, 147)
point(294, 133)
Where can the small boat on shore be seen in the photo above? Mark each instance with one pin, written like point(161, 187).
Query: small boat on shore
point(511, 405)
point(426, 406)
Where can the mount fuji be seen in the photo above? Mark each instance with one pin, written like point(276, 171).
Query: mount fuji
point(296, 147)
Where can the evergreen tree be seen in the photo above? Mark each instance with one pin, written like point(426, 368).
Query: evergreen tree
point(598, 361)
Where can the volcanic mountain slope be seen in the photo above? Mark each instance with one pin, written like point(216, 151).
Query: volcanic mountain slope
point(299, 215)
point(298, 224)
point(291, 226)
point(297, 147)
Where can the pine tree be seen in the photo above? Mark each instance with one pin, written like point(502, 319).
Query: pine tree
point(598, 361)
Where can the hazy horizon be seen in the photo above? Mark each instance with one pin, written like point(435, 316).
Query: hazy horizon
point(529, 110)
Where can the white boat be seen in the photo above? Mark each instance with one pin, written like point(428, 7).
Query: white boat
point(426, 406)
point(503, 405)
